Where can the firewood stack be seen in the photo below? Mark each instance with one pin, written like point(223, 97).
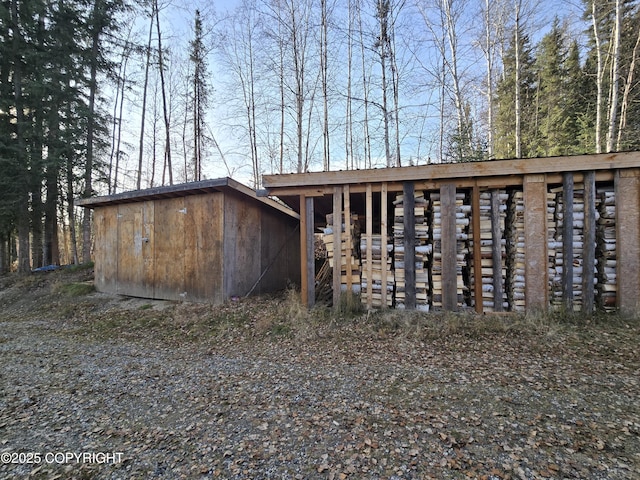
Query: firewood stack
point(486, 249)
point(463, 211)
point(554, 248)
point(377, 271)
point(606, 248)
point(348, 254)
point(515, 251)
point(422, 248)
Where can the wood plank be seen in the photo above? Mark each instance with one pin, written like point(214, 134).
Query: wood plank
point(449, 247)
point(589, 247)
point(477, 257)
point(535, 232)
point(106, 249)
point(459, 170)
point(337, 240)
point(567, 242)
point(310, 252)
point(203, 247)
point(348, 237)
point(368, 254)
point(169, 249)
point(496, 251)
point(627, 190)
point(304, 253)
point(409, 246)
point(130, 261)
point(148, 248)
point(242, 240)
point(383, 240)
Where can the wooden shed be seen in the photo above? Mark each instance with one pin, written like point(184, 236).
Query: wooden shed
point(204, 241)
point(503, 235)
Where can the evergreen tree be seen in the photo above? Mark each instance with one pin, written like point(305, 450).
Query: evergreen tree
point(200, 94)
point(505, 102)
point(551, 95)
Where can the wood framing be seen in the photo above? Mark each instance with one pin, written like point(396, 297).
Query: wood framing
point(206, 242)
point(547, 263)
point(627, 187)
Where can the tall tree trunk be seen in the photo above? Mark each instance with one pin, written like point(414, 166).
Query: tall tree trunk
point(599, 77)
point(518, 100)
point(395, 81)
point(365, 90)
point(615, 76)
point(165, 109)
point(325, 97)
point(144, 100)
point(488, 51)
point(627, 90)
point(348, 134)
point(24, 263)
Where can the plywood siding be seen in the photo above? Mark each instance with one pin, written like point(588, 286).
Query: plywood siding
point(170, 215)
point(280, 252)
point(133, 250)
point(627, 185)
point(203, 252)
point(106, 249)
point(242, 237)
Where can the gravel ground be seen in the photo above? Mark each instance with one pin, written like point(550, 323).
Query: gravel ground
point(93, 386)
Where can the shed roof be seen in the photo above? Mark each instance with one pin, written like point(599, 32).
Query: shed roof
point(224, 184)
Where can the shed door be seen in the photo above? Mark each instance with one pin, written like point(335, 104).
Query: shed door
point(135, 249)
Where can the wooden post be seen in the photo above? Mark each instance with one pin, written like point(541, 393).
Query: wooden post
point(383, 241)
point(449, 243)
point(627, 190)
point(304, 253)
point(369, 250)
point(496, 251)
point(337, 245)
point(589, 247)
point(567, 241)
point(477, 250)
point(409, 246)
point(348, 239)
point(535, 233)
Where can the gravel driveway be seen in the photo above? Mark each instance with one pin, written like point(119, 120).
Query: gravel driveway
point(103, 388)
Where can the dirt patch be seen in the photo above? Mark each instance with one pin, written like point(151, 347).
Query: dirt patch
point(261, 388)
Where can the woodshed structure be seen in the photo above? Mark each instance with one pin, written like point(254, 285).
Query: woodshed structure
point(203, 241)
point(503, 235)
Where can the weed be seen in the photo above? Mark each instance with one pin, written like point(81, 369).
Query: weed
point(75, 289)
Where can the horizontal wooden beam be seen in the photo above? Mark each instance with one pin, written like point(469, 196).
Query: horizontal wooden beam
point(471, 170)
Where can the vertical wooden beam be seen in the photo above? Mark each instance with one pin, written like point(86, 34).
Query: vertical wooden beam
point(477, 250)
point(496, 251)
point(589, 247)
point(304, 253)
point(311, 253)
point(627, 189)
point(337, 244)
point(535, 241)
point(449, 244)
point(348, 239)
point(409, 246)
point(383, 241)
point(369, 241)
point(567, 241)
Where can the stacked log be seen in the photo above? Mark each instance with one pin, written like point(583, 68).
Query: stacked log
point(348, 254)
point(556, 250)
point(463, 211)
point(487, 249)
point(606, 248)
point(554, 246)
point(378, 271)
point(422, 251)
point(515, 252)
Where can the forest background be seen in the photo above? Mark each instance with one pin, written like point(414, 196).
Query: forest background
point(101, 96)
